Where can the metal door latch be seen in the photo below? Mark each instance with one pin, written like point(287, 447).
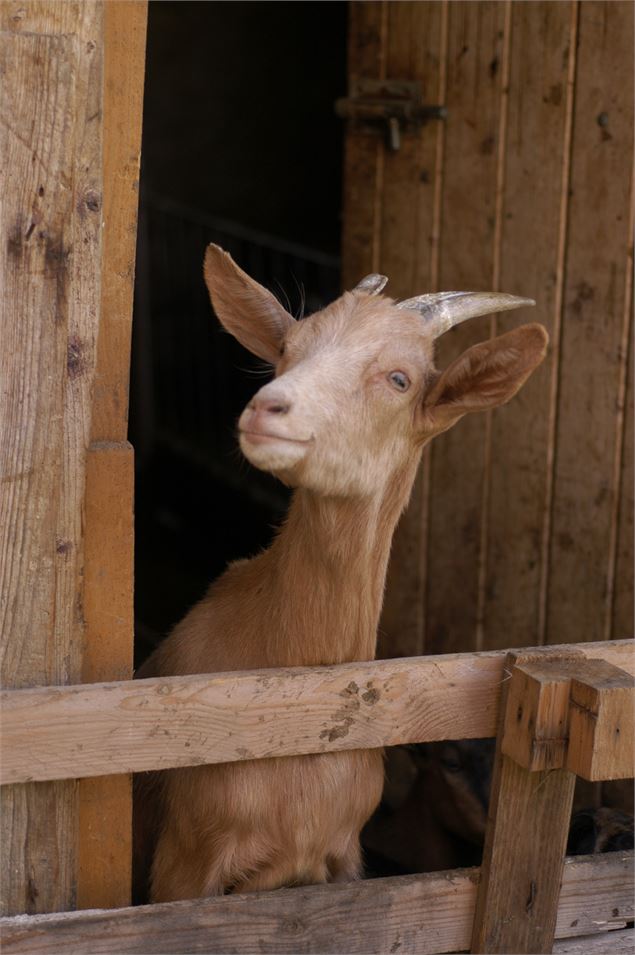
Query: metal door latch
point(391, 106)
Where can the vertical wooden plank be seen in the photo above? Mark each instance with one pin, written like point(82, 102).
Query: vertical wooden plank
point(476, 37)
point(534, 218)
point(363, 153)
point(105, 804)
point(124, 65)
point(415, 51)
point(620, 605)
point(51, 199)
point(622, 610)
point(525, 843)
point(592, 351)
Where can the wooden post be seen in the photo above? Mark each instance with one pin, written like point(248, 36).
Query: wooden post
point(528, 821)
point(601, 722)
point(561, 716)
point(50, 261)
point(105, 804)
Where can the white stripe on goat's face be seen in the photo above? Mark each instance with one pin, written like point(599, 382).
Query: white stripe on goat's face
point(343, 412)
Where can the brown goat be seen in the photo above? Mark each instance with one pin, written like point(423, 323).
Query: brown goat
point(440, 822)
point(355, 398)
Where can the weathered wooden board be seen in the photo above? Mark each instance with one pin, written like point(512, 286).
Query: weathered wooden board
point(527, 193)
point(601, 723)
point(413, 915)
point(478, 38)
point(622, 591)
point(527, 820)
point(55, 732)
point(592, 333)
point(105, 804)
point(105, 807)
point(363, 155)
point(51, 201)
point(537, 150)
point(617, 942)
point(124, 66)
point(409, 208)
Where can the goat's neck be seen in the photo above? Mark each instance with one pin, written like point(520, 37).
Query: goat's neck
point(329, 566)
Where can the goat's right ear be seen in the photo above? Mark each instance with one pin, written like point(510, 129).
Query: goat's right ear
point(246, 309)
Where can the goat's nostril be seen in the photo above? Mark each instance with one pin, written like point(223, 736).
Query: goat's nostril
point(273, 405)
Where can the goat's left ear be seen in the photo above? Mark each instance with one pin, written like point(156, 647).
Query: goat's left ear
point(246, 309)
point(484, 376)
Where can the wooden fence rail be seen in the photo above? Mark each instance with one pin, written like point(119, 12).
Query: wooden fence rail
point(131, 726)
point(420, 914)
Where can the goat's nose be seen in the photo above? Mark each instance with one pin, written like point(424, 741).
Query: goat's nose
point(270, 404)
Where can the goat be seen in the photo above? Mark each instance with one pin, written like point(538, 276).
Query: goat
point(440, 823)
point(355, 398)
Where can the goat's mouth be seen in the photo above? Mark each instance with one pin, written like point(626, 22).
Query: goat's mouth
point(266, 437)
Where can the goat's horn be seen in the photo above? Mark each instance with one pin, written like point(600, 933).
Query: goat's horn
point(372, 284)
point(443, 310)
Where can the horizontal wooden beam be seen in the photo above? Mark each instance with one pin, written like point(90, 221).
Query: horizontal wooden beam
point(132, 726)
point(619, 941)
point(420, 914)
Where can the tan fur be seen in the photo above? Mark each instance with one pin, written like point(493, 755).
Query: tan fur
point(350, 443)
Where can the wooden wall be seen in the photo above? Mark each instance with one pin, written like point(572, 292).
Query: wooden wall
point(520, 530)
point(72, 84)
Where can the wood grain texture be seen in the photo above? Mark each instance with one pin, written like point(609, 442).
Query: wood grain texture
point(476, 43)
point(538, 696)
point(51, 144)
point(414, 915)
point(601, 723)
point(105, 805)
point(124, 70)
point(44, 17)
point(363, 153)
point(533, 169)
point(524, 851)
point(185, 721)
point(536, 162)
point(617, 942)
point(414, 52)
point(622, 606)
point(592, 334)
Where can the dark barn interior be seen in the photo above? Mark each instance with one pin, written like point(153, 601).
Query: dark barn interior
point(241, 146)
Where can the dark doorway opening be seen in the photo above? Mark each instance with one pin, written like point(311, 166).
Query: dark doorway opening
point(241, 147)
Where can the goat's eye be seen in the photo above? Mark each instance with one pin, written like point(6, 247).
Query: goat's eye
point(399, 380)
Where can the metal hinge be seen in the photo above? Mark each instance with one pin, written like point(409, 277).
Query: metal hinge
point(389, 106)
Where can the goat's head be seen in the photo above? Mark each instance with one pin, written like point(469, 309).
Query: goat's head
point(356, 394)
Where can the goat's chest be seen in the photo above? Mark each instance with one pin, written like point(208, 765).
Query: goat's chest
point(311, 795)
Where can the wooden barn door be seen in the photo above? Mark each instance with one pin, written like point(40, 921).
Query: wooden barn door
point(72, 88)
point(520, 529)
